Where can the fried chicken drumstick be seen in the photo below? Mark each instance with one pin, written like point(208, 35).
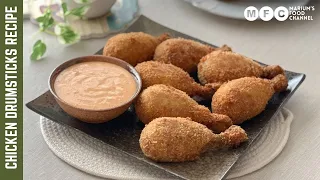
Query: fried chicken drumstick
point(222, 66)
point(166, 101)
point(183, 53)
point(134, 47)
point(153, 72)
point(244, 98)
point(176, 139)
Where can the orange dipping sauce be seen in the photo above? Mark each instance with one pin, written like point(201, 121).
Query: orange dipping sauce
point(95, 85)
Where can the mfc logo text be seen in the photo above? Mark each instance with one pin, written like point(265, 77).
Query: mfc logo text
point(281, 13)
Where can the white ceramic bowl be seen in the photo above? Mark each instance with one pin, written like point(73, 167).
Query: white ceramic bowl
point(97, 7)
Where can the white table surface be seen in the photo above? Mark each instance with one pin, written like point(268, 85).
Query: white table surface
point(294, 45)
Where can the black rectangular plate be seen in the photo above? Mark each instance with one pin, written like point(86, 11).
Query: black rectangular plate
point(123, 132)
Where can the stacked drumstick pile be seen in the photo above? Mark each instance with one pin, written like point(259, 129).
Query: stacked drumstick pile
point(178, 128)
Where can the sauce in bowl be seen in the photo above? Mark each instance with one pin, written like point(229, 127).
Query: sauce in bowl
point(95, 85)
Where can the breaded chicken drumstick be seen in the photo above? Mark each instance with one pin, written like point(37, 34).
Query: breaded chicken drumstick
point(219, 67)
point(184, 53)
point(244, 98)
point(175, 139)
point(153, 72)
point(166, 101)
point(134, 47)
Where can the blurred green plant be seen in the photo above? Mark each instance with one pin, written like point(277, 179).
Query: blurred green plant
point(63, 31)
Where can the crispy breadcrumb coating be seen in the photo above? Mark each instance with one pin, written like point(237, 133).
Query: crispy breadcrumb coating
point(232, 137)
point(166, 101)
point(184, 53)
point(153, 72)
point(244, 98)
point(222, 66)
point(272, 71)
point(176, 139)
point(279, 83)
point(219, 67)
point(133, 47)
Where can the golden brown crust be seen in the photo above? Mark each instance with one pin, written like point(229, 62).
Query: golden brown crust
point(272, 71)
point(163, 37)
point(232, 137)
point(153, 72)
point(222, 66)
point(165, 101)
point(279, 83)
point(132, 47)
point(243, 98)
point(218, 122)
point(174, 139)
point(224, 48)
point(183, 53)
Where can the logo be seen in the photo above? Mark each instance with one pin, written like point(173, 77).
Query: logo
point(281, 13)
